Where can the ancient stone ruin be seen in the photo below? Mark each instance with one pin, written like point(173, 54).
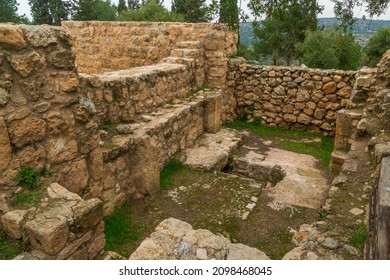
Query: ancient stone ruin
point(61, 87)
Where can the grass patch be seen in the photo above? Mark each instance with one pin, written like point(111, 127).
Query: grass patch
point(359, 236)
point(171, 168)
point(121, 232)
point(27, 199)
point(277, 245)
point(8, 247)
point(108, 127)
point(291, 139)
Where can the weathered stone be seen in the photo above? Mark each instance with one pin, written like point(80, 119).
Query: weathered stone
point(330, 243)
point(243, 252)
point(5, 146)
point(12, 223)
point(330, 87)
point(290, 118)
point(25, 256)
point(27, 131)
point(149, 250)
point(319, 114)
point(39, 36)
point(25, 64)
point(73, 246)
point(304, 119)
point(56, 191)
point(356, 211)
point(174, 227)
point(60, 150)
point(201, 254)
point(68, 82)
point(87, 214)
point(50, 235)
point(4, 97)
point(11, 37)
point(62, 59)
point(73, 175)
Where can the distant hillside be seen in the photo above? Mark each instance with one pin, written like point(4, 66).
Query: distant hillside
point(362, 29)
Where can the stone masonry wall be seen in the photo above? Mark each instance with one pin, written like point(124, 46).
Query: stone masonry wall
point(110, 46)
point(298, 98)
point(106, 135)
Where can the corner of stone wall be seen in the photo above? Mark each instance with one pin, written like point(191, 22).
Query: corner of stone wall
point(63, 226)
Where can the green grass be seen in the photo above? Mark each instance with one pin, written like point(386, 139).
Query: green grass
point(121, 232)
point(290, 139)
point(8, 248)
point(276, 252)
point(108, 127)
point(359, 236)
point(171, 168)
point(27, 199)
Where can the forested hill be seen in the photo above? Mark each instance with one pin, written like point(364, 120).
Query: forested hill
point(362, 29)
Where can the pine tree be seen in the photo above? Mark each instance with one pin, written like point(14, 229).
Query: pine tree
point(8, 9)
point(121, 5)
point(192, 10)
point(94, 10)
point(133, 4)
point(50, 12)
point(229, 14)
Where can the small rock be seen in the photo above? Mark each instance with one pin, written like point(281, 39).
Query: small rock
point(254, 199)
point(201, 254)
point(245, 215)
point(4, 97)
point(333, 191)
point(356, 211)
point(250, 206)
point(351, 250)
point(146, 118)
point(330, 243)
point(124, 129)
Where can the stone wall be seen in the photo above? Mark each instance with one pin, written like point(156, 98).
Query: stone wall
point(106, 135)
point(110, 46)
point(297, 98)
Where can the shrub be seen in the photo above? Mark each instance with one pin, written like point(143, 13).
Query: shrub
point(28, 177)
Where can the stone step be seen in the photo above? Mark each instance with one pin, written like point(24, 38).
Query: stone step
point(188, 53)
point(189, 45)
point(211, 152)
point(337, 160)
point(170, 128)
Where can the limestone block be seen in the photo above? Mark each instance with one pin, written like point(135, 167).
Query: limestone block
point(319, 114)
point(290, 118)
point(27, 63)
point(363, 81)
point(62, 59)
point(56, 191)
point(11, 37)
point(5, 146)
point(337, 160)
point(68, 82)
point(49, 235)
point(39, 36)
point(174, 227)
point(12, 223)
point(27, 131)
point(73, 175)
point(243, 252)
point(87, 214)
point(73, 246)
point(61, 149)
point(212, 113)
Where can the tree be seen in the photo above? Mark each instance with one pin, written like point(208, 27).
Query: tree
point(121, 5)
point(192, 10)
point(50, 12)
point(343, 9)
point(377, 46)
point(94, 10)
point(159, 2)
point(133, 4)
point(331, 49)
point(229, 14)
point(8, 10)
point(150, 12)
point(284, 26)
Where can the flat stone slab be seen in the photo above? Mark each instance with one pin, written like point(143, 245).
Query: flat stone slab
point(303, 184)
point(211, 151)
point(136, 72)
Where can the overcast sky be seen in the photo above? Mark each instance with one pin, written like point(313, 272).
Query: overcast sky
point(328, 11)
